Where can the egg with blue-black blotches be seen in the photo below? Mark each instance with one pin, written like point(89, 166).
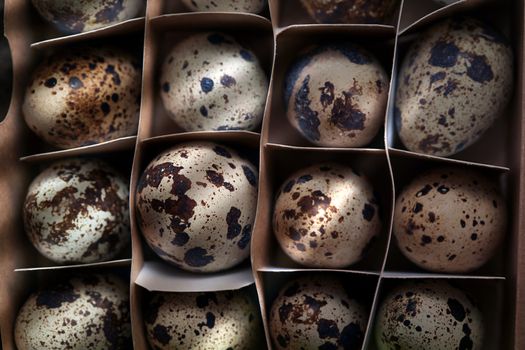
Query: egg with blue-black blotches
point(209, 81)
point(455, 81)
point(430, 315)
point(195, 204)
point(336, 95)
point(204, 320)
point(250, 6)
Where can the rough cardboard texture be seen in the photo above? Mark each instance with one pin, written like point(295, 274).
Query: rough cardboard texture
point(497, 286)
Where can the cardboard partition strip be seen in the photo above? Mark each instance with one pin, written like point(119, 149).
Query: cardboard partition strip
point(104, 264)
point(178, 6)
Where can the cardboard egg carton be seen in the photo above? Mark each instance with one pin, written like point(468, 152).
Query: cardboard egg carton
point(277, 37)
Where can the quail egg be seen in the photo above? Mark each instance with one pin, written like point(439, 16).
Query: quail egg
point(210, 82)
point(76, 211)
point(326, 216)
point(450, 220)
point(348, 11)
point(455, 81)
point(428, 315)
point(83, 96)
point(253, 6)
point(336, 96)
point(196, 205)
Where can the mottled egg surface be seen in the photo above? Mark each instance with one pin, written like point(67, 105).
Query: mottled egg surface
point(87, 312)
point(455, 81)
point(210, 82)
point(316, 312)
point(252, 6)
point(348, 11)
point(326, 216)
point(83, 96)
point(450, 220)
point(75, 16)
point(336, 96)
point(205, 321)
point(196, 206)
point(428, 315)
point(76, 211)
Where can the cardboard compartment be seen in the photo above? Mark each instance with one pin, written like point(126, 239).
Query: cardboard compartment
point(6, 70)
point(362, 287)
point(292, 12)
point(293, 42)
point(279, 163)
point(252, 32)
point(487, 294)
point(177, 6)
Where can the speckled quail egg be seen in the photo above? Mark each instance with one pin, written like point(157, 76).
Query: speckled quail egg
point(83, 96)
point(196, 206)
point(206, 321)
point(210, 82)
point(348, 11)
point(75, 16)
point(316, 312)
point(252, 6)
point(430, 315)
point(76, 210)
point(86, 312)
point(456, 79)
point(336, 96)
point(450, 220)
point(326, 216)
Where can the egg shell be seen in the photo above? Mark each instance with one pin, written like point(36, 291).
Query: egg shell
point(336, 96)
point(206, 321)
point(82, 96)
point(450, 220)
point(316, 312)
point(77, 211)
point(348, 11)
point(428, 315)
point(196, 206)
point(75, 16)
point(455, 81)
point(210, 82)
point(252, 6)
point(85, 312)
point(326, 216)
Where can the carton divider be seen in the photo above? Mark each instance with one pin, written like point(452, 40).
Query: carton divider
point(178, 7)
point(110, 263)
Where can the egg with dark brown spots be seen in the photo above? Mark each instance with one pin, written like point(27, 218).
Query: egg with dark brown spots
point(207, 321)
point(208, 81)
point(430, 315)
point(336, 96)
point(83, 96)
point(85, 312)
point(316, 312)
point(326, 216)
point(196, 206)
point(250, 6)
point(455, 81)
point(75, 16)
point(77, 211)
point(450, 220)
point(348, 11)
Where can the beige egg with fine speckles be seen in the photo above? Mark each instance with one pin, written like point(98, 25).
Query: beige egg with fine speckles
point(326, 216)
point(430, 315)
point(76, 211)
point(83, 96)
point(196, 205)
point(206, 321)
point(85, 312)
point(336, 96)
point(251, 6)
point(75, 16)
point(316, 312)
point(348, 11)
point(210, 82)
point(450, 220)
point(455, 81)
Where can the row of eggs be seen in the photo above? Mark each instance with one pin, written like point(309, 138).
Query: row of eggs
point(310, 312)
point(453, 84)
point(196, 203)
